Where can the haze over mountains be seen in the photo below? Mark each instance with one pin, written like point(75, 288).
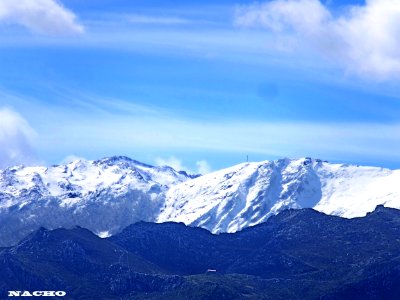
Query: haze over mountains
point(109, 194)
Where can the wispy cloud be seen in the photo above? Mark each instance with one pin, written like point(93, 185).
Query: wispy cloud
point(202, 166)
point(171, 161)
point(363, 39)
point(157, 20)
point(172, 33)
point(16, 139)
point(168, 133)
point(40, 16)
point(103, 129)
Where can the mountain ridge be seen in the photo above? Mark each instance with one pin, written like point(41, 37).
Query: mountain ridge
point(297, 254)
point(108, 194)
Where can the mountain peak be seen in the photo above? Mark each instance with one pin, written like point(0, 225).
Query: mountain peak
point(381, 209)
point(107, 195)
point(121, 161)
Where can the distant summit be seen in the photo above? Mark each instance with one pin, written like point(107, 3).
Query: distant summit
point(107, 195)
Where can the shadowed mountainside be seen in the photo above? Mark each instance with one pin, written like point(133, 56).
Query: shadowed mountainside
point(300, 254)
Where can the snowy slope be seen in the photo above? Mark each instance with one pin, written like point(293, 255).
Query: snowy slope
point(107, 195)
point(103, 196)
point(247, 194)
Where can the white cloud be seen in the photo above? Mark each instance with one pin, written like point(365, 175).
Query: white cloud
point(279, 15)
point(16, 139)
point(364, 39)
point(203, 167)
point(40, 16)
point(171, 161)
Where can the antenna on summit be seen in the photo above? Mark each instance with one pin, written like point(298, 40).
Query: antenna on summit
point(247, 158)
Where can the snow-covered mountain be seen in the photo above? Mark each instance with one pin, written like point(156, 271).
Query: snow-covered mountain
point(109, 194)
point(247, 194)
point(104, 195)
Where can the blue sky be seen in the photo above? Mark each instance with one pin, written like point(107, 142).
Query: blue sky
point(200, 84)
